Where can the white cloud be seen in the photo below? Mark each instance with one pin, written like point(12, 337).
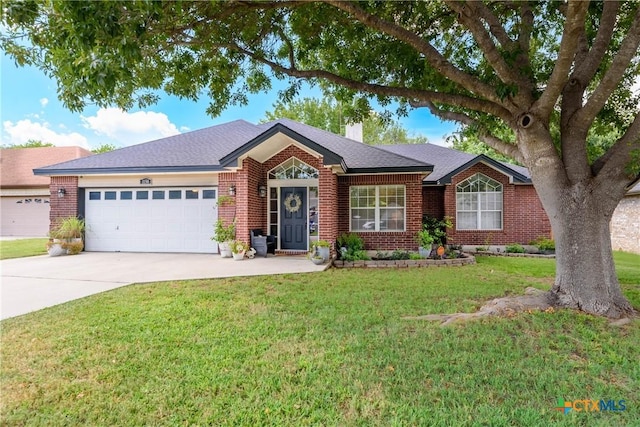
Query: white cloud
point(130, 128)
point(44, 102)
point(25, 130)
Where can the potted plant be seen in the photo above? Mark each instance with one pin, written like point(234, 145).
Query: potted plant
point(316, 258)
point(224, 235)
point(322, 249)
point(425, 241)
point(238, 249)
point(66, 236)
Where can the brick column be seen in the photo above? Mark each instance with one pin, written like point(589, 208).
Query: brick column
point(62, 207)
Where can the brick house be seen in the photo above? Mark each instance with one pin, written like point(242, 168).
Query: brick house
point(24, 197)
point(295, 182)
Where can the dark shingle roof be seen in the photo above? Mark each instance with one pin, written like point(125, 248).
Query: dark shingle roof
point(356, 155)
point(213, 148)
point(448, 162)
point(200, 150)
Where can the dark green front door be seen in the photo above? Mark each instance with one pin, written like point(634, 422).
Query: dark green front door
point(293, 218)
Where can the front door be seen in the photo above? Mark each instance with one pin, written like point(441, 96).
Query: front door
point(293, 218)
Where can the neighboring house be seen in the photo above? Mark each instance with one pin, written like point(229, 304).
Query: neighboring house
point(625, 224)
point(24, 197)
point(293, 181)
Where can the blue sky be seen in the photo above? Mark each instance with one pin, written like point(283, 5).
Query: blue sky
point(30, 109)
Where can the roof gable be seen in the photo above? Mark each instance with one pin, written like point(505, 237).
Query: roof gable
point(449, 162)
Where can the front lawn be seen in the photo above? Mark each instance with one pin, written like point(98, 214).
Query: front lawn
point(22, 248)
point(326, 348)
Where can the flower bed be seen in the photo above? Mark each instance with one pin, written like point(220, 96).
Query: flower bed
point(407, 263)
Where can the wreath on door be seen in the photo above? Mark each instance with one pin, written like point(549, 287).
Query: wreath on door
point(292, 203)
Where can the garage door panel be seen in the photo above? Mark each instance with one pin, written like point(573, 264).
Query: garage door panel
point(24, 216)
point(150, 225)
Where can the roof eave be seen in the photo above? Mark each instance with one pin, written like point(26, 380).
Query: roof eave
point(391, 169)
point(116, 170)
point(517, 177)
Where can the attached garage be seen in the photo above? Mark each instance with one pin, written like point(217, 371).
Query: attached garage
point(168, 219)
point(26, 216)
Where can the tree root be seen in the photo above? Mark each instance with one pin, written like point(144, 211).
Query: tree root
point(532, 300)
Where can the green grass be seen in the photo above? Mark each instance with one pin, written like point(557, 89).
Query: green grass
point(320, 349)
point(22, 248)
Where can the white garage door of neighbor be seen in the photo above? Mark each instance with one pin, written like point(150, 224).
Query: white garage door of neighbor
point(24, 216)
point(150, 220)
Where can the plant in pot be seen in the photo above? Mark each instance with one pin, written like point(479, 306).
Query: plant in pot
point(66, 236)
point(224, 235)
point(321, 248)
point(238, 249)
point(425, 241)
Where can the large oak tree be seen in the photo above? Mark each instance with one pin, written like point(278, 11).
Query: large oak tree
point(533, 80)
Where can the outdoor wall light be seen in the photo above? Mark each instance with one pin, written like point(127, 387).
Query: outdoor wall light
point(262, 190)
point(61, 192)
point(232, 190)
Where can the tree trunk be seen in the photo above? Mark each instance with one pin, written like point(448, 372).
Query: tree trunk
point(585, 273)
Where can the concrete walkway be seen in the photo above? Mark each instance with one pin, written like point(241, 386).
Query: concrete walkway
point(33, 283)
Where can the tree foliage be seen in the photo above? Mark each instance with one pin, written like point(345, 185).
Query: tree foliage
point(104, 148)
point(32, 143)
point(327, 115)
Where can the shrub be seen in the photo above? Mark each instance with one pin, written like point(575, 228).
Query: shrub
point(544, 244)
point(514, 248)
point(436, 228)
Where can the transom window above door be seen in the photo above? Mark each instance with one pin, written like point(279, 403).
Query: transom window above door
point(293, 169)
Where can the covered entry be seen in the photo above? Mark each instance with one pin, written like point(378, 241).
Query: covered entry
point(293, 215)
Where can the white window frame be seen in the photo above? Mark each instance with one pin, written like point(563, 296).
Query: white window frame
point(378, 210)
point(480, 196)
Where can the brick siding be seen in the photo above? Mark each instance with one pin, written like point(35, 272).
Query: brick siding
point(62, 207)
point(625, 225)
point(385, 240)
point(524, 219)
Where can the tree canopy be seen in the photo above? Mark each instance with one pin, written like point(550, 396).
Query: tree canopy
point(540, 82)
point(328, 115)
point(32, 143)
point(104, 148)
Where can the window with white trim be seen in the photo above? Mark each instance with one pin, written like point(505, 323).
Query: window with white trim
point(479, 204)
point(377, 208)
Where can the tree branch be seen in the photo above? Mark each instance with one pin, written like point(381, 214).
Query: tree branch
point(586, 69)
point(628, 50)
point(616, 157)
point(469, 15)
point(403, 92)
point(526, 27)
point(432, 56)
point(485, 136)
point(612, 173)
point(573, 27)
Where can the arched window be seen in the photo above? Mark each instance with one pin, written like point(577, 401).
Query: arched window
point(293, 169)
point(479, 204)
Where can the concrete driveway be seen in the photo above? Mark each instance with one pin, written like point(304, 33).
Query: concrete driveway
point(33, 283)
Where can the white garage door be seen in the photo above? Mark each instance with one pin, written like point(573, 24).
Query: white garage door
point(25, 216)
point(150, 220)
